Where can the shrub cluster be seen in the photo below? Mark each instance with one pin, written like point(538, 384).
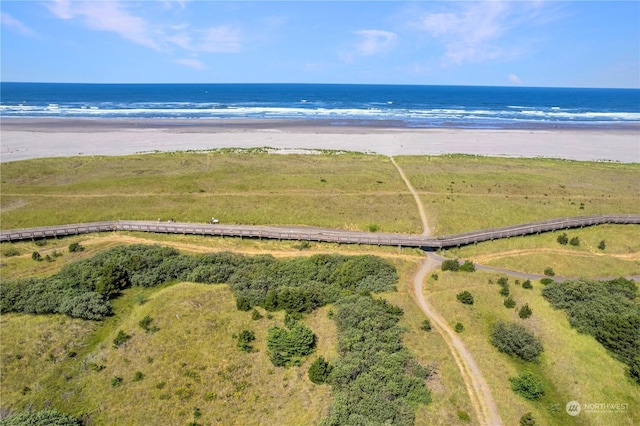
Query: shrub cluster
point(607, 310)
point(44, 417)
point(514, 339)
point(375, 379)
point(455, 266)
point(465, 297)
point(528, 386)
point(83, 289)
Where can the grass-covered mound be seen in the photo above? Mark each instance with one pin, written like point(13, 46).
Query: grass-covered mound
point(607, 310)
point(222, 362)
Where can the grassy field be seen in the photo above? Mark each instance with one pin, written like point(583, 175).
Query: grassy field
point(193, 360)
point(465, 193)
point(534, 253)
point(573, 366)
point(345, 191)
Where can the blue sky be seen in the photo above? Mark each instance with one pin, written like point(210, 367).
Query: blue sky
point(503, 43)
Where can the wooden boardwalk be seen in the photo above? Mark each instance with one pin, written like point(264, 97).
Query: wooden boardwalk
point(318, 234)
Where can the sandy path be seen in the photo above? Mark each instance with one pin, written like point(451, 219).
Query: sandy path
point(477, 387)
point(423, 216)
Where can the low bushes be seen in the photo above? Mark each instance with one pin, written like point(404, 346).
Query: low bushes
point(515, 339)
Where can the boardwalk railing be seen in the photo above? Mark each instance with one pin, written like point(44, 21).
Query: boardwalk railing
point(318, 234)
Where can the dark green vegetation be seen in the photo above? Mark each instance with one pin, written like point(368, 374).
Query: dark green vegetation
point(465, 297)
point(84, 289)
point(40, 418)
point(374, 376)
point(287, 346)
point(607, 310)
point(454, 265)
point(528, 386)
point(515, 339)
point(375, 379)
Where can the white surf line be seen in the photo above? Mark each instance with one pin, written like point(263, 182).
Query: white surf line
point(423, 216)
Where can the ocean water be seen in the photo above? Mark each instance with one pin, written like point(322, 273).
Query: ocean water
point(384, 105)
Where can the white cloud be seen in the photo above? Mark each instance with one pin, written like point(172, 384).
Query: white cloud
point(107, 16)
point(9, 21)
point(191, 63)
point(115, 17)
point(478, 31)
point(374, 42)
point(514, 79)
point(219, 40)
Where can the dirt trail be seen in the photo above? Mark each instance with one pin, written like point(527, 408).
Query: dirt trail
point(423, 216)
point(477, 387)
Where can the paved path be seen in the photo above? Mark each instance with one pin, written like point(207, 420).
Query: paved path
point(319, 234)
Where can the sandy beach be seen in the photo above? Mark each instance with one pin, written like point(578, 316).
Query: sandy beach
point(26, 138)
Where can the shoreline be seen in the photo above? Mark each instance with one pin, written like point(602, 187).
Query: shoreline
point(26, 138)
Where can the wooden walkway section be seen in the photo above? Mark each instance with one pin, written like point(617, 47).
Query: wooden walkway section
point(318, 234)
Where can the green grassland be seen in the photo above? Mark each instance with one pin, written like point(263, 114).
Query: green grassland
point(464, 193)
point(345, 191)
point(193, 359)
point(573, 366)
point(534, 253)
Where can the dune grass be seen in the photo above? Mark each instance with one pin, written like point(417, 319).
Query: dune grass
point(344, 191)
point(573, 366)
point(464, 193)
point(534, 253)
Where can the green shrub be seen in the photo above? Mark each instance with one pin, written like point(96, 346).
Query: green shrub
point(319, 371)
point(528, 386)
point(373, 228)
point(509, 303)
point(40, 418)
point(563, 239)
point(525, 311)
point(145, 324)
point(255, 315)
point(546, 281)
point(245, 339)
point(426, 325)
point(504, 291)
point(602, 245)
point(527, 284)
point(575, 241)
point(75, 247)
point(120, 339)
point(36, 256)
point(514, 339)
point(116, 381)
point(459, 328)
point(450, 265)
point(465, 297)
point(288, 347)
point(137, 376)
point(463, 416)
point(549, 272)
point(467, 266)
point(527, 420)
